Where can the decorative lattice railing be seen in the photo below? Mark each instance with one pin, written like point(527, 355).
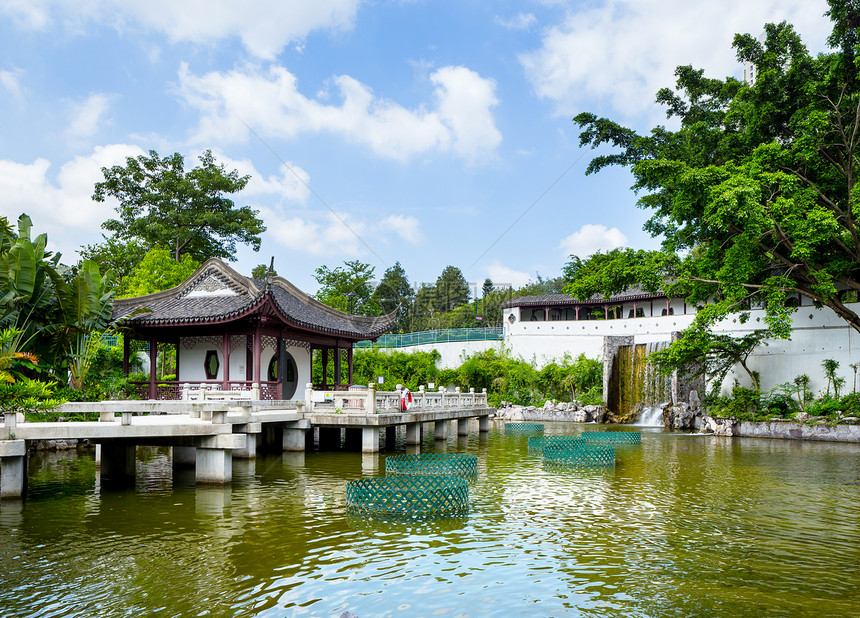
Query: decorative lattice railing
point(523, 429)
point(539, 443)
point(409, 496)
point(433, 464)
point(613, 437)
point(579, 456)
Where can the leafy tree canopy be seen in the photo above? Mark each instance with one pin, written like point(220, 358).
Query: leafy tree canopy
point(348, 288)
point(610, 273)
point(260, 271)
point(757, 190)
point(163, 205)
point(157, 271)
point(119, 256)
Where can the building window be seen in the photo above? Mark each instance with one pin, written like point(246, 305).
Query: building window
point(211, 365)
point(512, 318)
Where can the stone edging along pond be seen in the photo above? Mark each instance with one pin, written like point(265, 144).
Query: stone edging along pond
point(779, 429)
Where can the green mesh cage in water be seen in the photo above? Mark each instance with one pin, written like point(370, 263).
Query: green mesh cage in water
point(539, 443)
point(521, 429)
point(613, 437)
point(409, 496)
point(579, 455)
point(433, 464)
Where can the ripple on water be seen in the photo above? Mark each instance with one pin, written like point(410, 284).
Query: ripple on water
point(680, 526)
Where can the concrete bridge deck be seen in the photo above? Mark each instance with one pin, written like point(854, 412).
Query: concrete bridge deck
point(208, 434)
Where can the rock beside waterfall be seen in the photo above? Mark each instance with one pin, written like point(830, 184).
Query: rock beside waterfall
point(683, 415)
point(573, 411)
point(718, 426)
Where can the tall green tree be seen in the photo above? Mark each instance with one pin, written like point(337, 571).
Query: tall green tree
point(452, 289)
point(757, 190)
point(188, 212)
point(395, 292)
point(347, 287)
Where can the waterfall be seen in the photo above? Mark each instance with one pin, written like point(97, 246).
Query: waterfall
point(634, 383)
point(651, 416)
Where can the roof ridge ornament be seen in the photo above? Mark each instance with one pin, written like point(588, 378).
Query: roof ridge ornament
point(270, 275)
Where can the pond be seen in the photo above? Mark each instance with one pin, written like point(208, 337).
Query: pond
point(684, 525)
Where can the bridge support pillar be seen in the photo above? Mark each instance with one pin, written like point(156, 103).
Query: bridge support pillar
point(250, 450)
point(214, 466)
point(370, 439)
point(13, 476)
point(484, 423)
point(413, 433)
point(440, 430)
point(251, 431)
point(462, 426)
point(295, 440)
point(184, 456)
point(116, 465)
point(390, 437)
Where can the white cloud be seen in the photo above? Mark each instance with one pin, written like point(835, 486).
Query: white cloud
point(270, 102)
point(464, 100)
point(336, 236)
point(520, 21)
point(86, 116)
point(623, 51)
point(265, 27)
point(290, 186)
point(11, 81)
point(63, 207)
point(406, 227)
point(592, 238)
point(504, 276)
point(28, 14)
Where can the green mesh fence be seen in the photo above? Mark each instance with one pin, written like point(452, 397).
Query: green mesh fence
point(409, 496)
point(539, 443)
point(433, 464)
point(394, 340)
point(521, 429)
point(579, 455)
point(613, 437)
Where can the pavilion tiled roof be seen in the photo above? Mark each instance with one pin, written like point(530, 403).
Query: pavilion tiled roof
point(217, 293)
point(561, 300)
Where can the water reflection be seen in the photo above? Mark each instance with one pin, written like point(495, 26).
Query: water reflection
point(682, 525)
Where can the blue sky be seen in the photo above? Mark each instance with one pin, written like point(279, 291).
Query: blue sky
point(409, 131)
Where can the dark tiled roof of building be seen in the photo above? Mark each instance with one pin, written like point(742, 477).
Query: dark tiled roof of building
point(217, 293)
point(566, 299)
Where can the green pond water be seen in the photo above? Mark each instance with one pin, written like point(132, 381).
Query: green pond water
point(683, 525)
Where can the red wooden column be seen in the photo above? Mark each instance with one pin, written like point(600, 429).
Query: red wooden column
point(325, 367)
point(337, 376)
point(349, 362)
point(225, 355)
point(153, 354)
point(258, 354)
point(279, 387)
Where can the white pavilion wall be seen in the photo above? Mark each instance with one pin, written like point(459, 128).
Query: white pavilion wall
point(193, 353)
